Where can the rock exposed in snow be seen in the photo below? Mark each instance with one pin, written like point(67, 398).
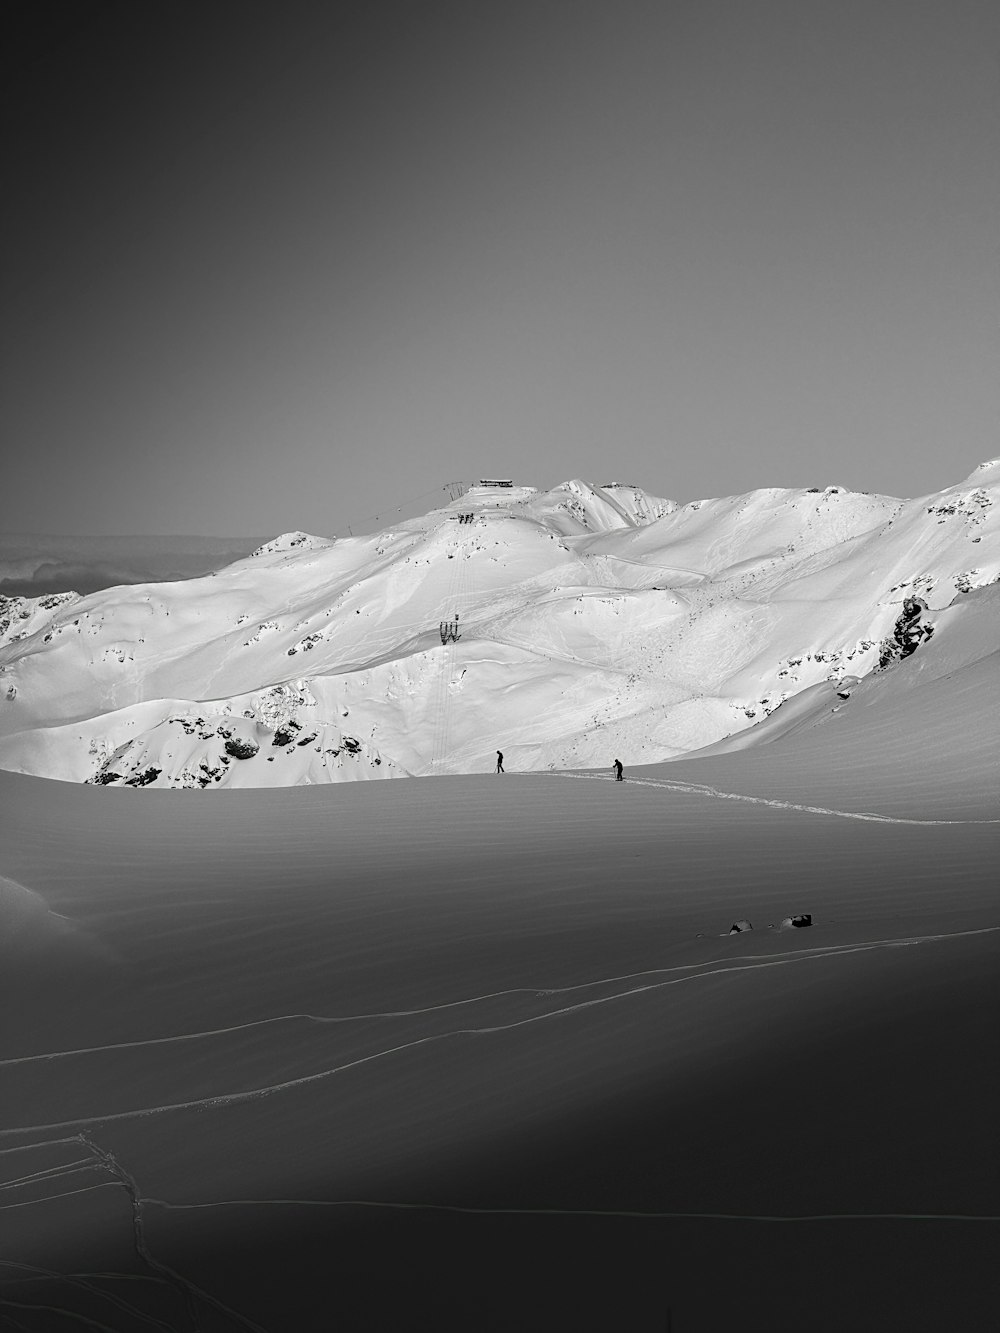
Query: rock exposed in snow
point(909, 631)
point(560, 626)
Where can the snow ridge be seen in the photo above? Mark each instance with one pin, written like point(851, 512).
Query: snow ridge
point(564, 627)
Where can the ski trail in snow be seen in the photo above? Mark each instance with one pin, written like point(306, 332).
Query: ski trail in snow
point(45, 1143)
point(106, 1162)
point(24, 1266)
point(66, 1194)
point(286, 1085)
point(47, 1173)
point(700, 789)
point(351, 1018)
point(88, 1282)
point(539, 991)
point(189, 1292)
point(576, 1212)
point(83, 1320)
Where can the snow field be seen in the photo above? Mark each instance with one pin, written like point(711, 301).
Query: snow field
point(378, 1021)
point(590, 621)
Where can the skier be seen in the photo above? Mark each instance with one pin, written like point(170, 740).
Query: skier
point(617, 766)
point(499, 761)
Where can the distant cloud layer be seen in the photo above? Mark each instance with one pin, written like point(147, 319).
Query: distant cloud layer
point(35, 566)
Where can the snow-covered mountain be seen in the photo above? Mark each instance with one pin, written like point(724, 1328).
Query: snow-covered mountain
point(563, 627)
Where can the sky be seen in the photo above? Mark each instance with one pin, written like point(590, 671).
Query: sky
point(271, 267)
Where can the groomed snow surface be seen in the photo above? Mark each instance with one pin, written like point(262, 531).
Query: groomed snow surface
point(564, 628)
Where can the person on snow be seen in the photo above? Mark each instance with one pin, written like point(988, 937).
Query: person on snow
point(499, 761)
point(617, 766)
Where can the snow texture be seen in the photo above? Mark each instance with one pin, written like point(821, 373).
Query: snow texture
point(564, 627)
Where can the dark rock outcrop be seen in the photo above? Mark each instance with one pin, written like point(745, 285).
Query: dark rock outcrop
point(909, 631)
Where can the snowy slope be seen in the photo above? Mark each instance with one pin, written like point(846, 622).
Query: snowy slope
point(485, 1035)
point(581, 623)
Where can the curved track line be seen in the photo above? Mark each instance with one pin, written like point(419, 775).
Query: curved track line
point(50, 1173)
point(822, 950)
point(69, 1277)
point(50, 1198)
point(88, 1282)
point(256, 1094)
point(45, 1143)
point(72, 1315)
point(700, 789)
point(579, 1212)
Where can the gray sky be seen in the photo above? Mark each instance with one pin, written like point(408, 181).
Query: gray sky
point(285, 266)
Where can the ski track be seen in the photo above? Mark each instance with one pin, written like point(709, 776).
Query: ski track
point(538, 991)
point(101, 1160)
point(66, 1194)
point(46, 1143)
point(188, 1291)
point(650, 1215)
point(49, 1172)
point(105, 1161)
point(700, 789)
point(84, 1320)
point(707, 970)
point(88, 1282)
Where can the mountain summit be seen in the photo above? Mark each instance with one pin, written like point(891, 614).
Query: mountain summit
point(564, 627)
